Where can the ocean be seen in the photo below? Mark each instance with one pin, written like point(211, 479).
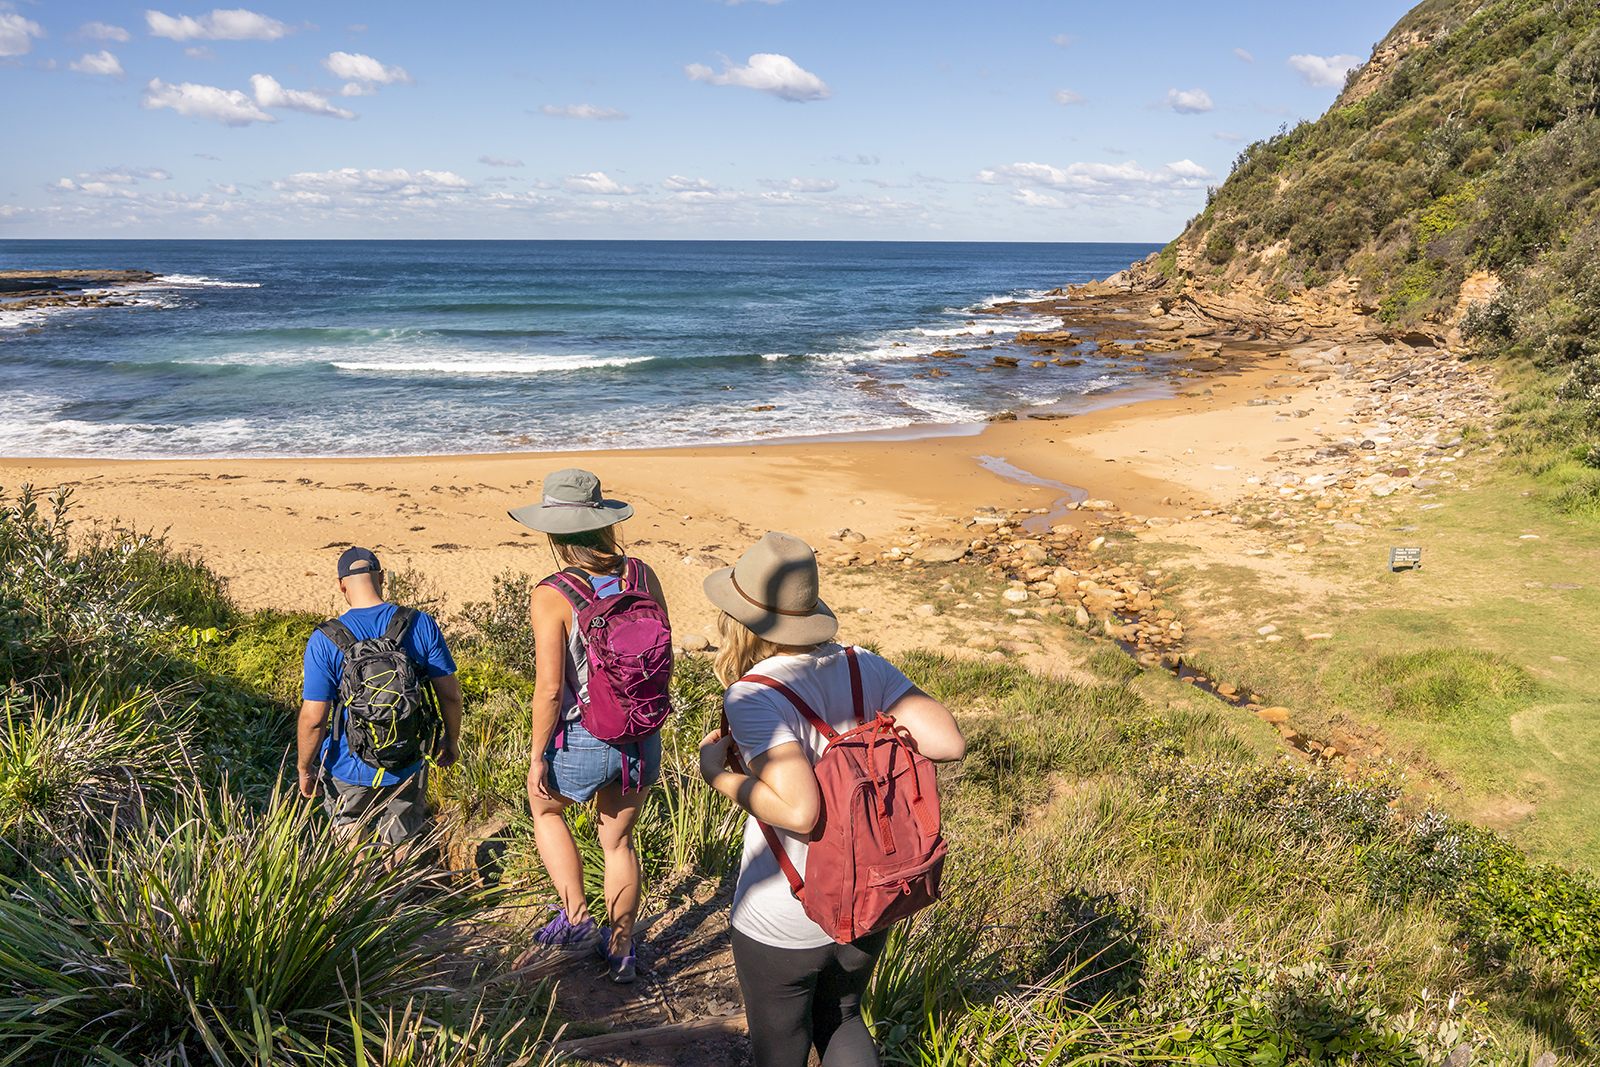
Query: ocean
point(372, 348)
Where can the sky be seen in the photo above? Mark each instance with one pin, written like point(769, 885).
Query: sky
point(1012, 120)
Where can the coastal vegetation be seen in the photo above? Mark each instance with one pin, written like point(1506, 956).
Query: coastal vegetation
point(1466, 149)
point(1133, 878)
point(1138, 873)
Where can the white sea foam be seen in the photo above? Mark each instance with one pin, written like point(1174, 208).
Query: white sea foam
point(519, 366)
point(198, 281)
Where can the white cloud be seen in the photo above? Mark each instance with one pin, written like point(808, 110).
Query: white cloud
point(1064, 40)
point(101, 31)
point(1067, 96)
point(235, 24)
point(17, 34)
point(1193, 102)
point(200, 51)
point(496, 161)
point(1035, 199)
point(1244, 56)
point(885, 183)
point(1229, 137)
point(677, 183)
point(596, 183)
point(225, 190)
point(102, 190)
point(777, 75)
point(102, 62)
point(355, 67)
point(1117, 183)
point(323, 186)
point(583, 111)
point(800, 185)
point(270, 94)
point(227, 106)
point(126, 175)
point(1323, 71)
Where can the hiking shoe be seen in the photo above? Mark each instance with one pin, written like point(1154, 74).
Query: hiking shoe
point(561, 938)
point(620, 969)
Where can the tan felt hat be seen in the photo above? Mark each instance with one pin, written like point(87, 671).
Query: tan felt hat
point(773, 591)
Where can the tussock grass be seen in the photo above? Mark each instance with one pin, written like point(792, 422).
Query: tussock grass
point(221, 934)
point(68, 763)
point(1441, 683)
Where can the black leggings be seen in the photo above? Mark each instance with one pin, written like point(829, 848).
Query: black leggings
point(797, 997)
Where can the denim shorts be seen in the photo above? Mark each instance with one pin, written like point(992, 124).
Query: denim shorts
point(584, 764)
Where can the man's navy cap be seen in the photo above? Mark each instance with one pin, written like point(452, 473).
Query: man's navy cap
point(353, 556)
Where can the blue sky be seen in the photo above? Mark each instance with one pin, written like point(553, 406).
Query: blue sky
point(799, 119)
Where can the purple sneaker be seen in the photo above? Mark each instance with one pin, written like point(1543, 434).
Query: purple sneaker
point(560, 938)
point(619, 968)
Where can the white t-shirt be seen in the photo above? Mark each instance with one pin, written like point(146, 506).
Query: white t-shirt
point(762, 718)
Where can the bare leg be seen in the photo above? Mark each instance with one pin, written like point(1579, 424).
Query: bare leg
point(559, 853)
point(619, 813)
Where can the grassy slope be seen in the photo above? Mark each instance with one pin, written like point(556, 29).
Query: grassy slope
point(1470, 141)
point(1511, 743)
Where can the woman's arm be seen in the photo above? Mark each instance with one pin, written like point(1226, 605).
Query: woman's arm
point(781, 789)
point(550, 615)
point(932, 726)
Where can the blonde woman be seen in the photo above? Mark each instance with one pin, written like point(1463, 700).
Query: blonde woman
point(800, 987)
point(569, 765)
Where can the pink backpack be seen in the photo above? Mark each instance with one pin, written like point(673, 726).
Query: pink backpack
point(876, 854)
point(628, 645)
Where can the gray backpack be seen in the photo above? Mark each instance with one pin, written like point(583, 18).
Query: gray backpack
point(386, 707)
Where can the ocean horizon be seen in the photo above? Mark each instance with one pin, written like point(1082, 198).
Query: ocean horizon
point(376, 348)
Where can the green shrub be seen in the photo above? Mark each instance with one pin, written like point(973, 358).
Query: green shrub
point(499, 626)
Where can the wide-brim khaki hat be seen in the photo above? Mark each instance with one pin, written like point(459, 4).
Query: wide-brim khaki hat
point(573, 503)
point(773, 591)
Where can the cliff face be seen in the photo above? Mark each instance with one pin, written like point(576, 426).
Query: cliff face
point(1464, 153)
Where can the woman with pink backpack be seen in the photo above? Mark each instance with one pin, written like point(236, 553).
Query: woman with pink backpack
point(603, 652)
point(839, 746)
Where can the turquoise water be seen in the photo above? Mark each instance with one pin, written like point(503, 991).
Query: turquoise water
point(439, 347)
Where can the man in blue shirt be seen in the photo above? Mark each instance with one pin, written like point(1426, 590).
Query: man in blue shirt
point(349, 787)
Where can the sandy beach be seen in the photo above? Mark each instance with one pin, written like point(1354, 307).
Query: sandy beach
point(273, 527)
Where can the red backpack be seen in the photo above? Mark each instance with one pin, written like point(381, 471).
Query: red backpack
point(628, 646)
point(876, 854)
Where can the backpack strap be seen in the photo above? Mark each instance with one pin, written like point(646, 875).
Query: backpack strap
point(399, 624)
point(579, 593)
point(633, 575)
point(797, 884)
point(855, 685)
point(799, 705)
point(345, 642)
point(339, 634)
